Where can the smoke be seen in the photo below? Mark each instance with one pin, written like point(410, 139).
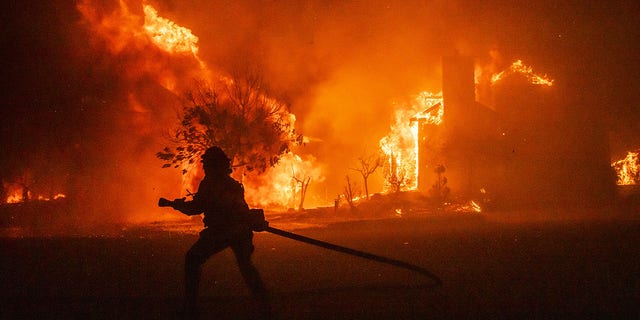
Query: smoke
point(342, 65)
point(337, 80)
point(103, 101)
point(339, 64)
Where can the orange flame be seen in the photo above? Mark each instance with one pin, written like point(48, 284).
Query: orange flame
point(15, 192)
point(519, 68)
point(469, 207)
point(123, 29)
point(167, 35)
point(277, 187)
point(400, 145)
point(628, 169)
point(16, 195)
point(14, 198)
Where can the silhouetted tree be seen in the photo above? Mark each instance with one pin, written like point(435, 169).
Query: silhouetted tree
point(395, 178)
point(440, 191)
point(367, 166)
point(301, 184)
point(350, 193)
point(238, 116)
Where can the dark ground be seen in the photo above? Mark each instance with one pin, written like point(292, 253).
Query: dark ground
point(492, 267)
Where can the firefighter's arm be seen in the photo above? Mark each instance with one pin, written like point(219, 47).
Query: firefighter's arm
point(189, 208)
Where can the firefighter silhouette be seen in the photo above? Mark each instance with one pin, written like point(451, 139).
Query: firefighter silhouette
point(221, 199)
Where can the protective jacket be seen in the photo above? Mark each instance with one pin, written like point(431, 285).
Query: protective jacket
point(221, 199)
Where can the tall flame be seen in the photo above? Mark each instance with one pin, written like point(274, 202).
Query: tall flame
point(628, 169)
point(277, 188)
point(123, 30)
point(167, 35)
point(14, 198)
point(400, 145)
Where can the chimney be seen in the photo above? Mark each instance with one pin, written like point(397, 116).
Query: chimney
point(459, 122)
point(458, 91)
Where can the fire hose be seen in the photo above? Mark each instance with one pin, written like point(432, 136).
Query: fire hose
point(258, 223)
point(357, 253)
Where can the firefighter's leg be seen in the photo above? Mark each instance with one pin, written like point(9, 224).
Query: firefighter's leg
point(243, 250)
point(206, 246)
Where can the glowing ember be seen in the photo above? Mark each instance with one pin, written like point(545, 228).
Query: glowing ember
point(628, 169)
point(527, 71)
point(469, 207)
point(476, 207)
point(168, 35)
point(55, 197)
point(400, 145)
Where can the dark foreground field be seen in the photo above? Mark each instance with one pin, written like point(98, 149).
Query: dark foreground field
point(491, 268)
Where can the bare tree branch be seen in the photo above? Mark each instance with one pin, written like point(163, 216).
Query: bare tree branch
point(367, 166)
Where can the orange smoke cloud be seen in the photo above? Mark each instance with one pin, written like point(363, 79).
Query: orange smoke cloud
point(339, 65)
point(159, 50)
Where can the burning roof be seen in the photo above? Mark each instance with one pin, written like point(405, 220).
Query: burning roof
point(628, 169)
point(517, 67)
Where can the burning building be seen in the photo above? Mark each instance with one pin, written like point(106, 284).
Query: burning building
point(92, 87)
point(526, 147)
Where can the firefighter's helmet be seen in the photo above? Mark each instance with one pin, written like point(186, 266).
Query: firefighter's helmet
point(214, 156)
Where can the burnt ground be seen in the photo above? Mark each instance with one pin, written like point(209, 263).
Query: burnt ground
point(493, 266)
